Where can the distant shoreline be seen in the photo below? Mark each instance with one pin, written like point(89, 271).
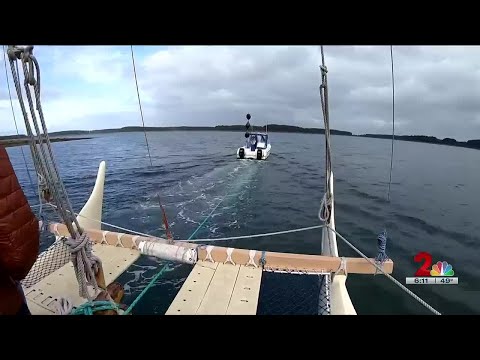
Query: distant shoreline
point(15, 140)
point(24, 140)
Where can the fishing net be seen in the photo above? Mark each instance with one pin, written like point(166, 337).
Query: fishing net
point(294, 294)
point(52, 259)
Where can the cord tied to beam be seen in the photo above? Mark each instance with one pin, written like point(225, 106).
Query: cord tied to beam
point(86, 264)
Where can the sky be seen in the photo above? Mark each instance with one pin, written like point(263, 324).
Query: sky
point(437, 88)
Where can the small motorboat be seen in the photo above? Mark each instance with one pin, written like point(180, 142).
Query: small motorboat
point(257, 146)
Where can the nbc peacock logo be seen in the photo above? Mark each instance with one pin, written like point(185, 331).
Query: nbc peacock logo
point(440, 273)
point(442, 268)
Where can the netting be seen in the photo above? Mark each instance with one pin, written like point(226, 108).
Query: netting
point(294, 294)
point(52, 259)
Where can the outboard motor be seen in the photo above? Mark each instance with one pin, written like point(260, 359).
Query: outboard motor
point(259, 154)
point(241, 153)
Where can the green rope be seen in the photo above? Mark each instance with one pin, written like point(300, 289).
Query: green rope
point(91, 307)
point(150, 284)
point(205, 220)
point(166, 268)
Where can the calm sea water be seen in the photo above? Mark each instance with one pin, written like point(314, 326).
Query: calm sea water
point(434, 205)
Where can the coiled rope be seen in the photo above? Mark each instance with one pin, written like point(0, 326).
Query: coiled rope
point(35, 189)
point(86, 264)
point(49, 180)
point(14, 117)
point(91, 307)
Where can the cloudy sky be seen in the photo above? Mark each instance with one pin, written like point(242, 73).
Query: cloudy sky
point(437, 88)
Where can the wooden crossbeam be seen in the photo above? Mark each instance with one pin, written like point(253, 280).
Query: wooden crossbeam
point(273, 260)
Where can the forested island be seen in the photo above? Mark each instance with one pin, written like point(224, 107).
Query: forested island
point(15, 140)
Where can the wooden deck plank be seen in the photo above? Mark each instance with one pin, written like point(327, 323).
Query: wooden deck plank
point(193, 290)
point(219, 293)
point(42, 297)
point(244, 299)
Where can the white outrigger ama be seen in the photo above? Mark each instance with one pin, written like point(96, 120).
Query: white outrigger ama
point(257, 146)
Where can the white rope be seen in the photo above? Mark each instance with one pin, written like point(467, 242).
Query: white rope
point(324, 212)
point(63, 306)
point(229, 257)
point(112, 225)
point(251, 260)
point(259, 235)
point(342, 267)
point(208, 257)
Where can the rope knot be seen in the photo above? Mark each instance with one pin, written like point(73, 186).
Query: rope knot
point(85, 264)
point(25, 54)
point(75, 245)
point(381, 246)
point(91, 307)
point(325, 207)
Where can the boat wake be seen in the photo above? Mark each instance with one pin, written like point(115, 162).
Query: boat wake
point(218, 195)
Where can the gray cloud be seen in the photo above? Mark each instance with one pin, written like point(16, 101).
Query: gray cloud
point(437, 88)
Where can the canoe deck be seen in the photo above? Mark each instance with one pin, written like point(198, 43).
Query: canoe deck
point(218, 289)
point(43, 296)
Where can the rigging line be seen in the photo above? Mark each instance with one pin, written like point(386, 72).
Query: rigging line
point(393, 123)
point(108, 224)
point(164, 215)
point(260, 235)
point(390, 277)
point(326, 204)
point(14, 117)
point(326, 117)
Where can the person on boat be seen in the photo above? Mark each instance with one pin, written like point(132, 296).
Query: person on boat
point(19, 240)
point(253, 142)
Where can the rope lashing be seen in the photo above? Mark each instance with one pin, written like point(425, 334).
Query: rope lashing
point(86, 264)
point(64, 306)
point(263, 261)
point(325, 206)
point(381, 246)
point(91, 307)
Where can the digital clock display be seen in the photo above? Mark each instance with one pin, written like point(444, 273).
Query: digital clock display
point(432, 280)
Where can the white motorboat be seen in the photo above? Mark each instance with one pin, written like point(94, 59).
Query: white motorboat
point(257, 146)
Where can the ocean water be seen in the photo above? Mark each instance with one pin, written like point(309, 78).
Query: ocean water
point(435, 201)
